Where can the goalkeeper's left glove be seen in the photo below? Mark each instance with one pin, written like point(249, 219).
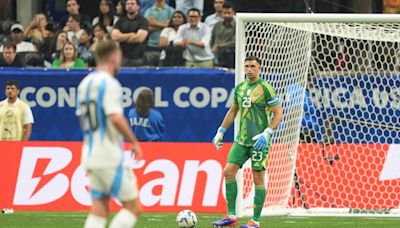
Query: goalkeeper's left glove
point(262, 139)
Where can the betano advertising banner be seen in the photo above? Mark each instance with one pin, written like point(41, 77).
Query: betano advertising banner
point(176, 176)
point(192, 101)
point(171, 177)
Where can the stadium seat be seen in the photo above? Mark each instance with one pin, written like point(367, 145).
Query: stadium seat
point(32, 59)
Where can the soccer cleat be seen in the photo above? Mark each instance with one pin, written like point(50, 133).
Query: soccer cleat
point(251, 224)
point(225, 221)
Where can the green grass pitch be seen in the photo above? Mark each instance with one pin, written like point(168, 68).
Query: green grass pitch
point(167, 220)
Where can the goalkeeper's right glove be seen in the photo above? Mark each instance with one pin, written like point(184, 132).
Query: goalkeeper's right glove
point(262, 140)
point(217, 140)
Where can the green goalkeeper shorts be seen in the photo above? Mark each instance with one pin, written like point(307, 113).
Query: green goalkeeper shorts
point(240, 154)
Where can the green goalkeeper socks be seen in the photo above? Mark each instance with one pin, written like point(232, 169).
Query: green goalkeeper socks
point(259, 200)
point(231, 193)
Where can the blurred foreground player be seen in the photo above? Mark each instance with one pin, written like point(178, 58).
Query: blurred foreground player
point(255, 100)
point(103, 124)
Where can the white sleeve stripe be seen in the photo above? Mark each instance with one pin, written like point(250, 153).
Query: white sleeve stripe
point(273, 101)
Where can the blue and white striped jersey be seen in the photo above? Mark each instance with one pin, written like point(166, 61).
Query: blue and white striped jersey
point(99, 96)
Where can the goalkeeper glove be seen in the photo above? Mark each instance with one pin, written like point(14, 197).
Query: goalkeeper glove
point(262, 140)
point(217, 140)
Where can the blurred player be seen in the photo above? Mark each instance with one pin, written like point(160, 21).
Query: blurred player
point(100, 110)
point(256, 100)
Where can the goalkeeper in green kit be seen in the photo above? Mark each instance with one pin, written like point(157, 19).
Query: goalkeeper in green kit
point(260, 113)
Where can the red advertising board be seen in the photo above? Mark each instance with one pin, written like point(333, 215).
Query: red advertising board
point(362, 176)
point(176, 176)
point(172, 177)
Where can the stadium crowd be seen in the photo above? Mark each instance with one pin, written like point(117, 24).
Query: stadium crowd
point(159, 36)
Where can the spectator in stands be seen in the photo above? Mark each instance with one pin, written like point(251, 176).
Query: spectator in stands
point(56, 46)
point(36, 30)
point(17, 36)
point(131, 31)
point(146, 122)
point(10, 58)
point(146, 4)
point(172, 56)
point(85, 42)
point(158, 17)
point(106, 16)
point(73, 8)
point(73, 28)
point(186, 5)
point(68, 58)
point(16, 117)
point(119, 9)
point(100, 34)
point(195, 38)
point(212, 19)
point(40, 33)
point(223, 38)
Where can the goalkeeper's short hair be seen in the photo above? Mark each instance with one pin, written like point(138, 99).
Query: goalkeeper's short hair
point(251, 58)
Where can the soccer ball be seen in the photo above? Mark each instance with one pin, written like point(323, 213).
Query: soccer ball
point(186, 218)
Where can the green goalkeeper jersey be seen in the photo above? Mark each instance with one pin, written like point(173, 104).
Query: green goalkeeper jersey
point(255, 101)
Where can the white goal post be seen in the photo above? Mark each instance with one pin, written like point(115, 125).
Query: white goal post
point(338, 77)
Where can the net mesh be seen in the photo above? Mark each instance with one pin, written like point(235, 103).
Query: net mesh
point(285, 59)
point(340, 89)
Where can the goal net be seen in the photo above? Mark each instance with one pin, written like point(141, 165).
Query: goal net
point(337, 150)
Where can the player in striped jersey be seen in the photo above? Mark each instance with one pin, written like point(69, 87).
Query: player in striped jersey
point(255, 100)
point(99, 107)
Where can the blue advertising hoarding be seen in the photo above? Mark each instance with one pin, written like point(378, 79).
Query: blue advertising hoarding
point(358, 109)
point(192, 102)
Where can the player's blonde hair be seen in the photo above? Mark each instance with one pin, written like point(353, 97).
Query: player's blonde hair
point(104, 49)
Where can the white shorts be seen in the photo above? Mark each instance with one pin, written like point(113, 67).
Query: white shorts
point(119, 183)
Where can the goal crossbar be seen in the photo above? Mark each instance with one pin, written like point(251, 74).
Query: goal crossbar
point(317, 17)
